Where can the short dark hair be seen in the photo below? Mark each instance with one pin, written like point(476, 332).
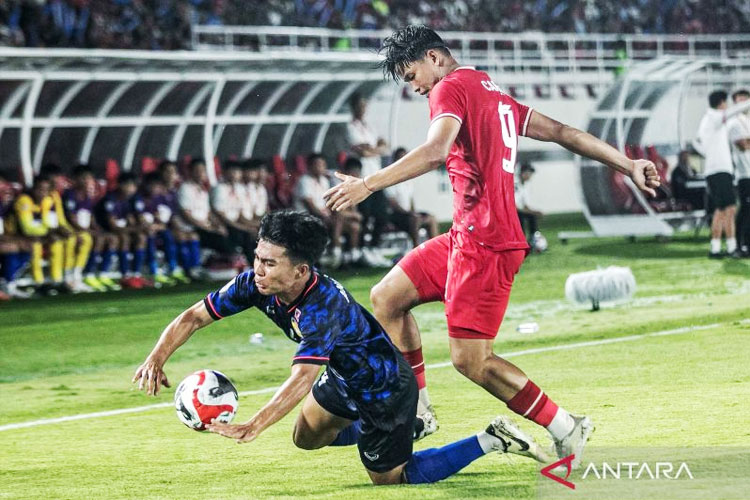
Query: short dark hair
point(716, 98)
point(253, 164)
point(399, 151)
point(740, 93)
point(126, 177)
point(354, 99)
point(164, 164)
point(152, 178)
point(81, 170)
point(232, 164)
point(407, 45)
point(303, 236)
point(352, 163)
point(314, 156)
point(527, 167)
point(195, 162)
point(50, 169)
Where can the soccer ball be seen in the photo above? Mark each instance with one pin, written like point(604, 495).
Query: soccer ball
point(204, 396)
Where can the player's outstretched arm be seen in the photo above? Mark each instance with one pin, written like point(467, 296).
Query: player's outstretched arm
point(286, 398)
point(150, 375)
point(428, 156)
point(642, 172)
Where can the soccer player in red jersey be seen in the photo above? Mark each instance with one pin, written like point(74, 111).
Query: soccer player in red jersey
point(474, 131)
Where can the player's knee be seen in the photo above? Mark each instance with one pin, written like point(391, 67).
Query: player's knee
point(467, 365)
point(385, 302)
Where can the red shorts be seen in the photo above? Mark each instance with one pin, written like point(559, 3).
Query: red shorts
point(474, 282)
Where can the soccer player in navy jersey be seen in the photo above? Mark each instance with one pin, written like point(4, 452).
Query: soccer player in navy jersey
point(474, 131)
point(367, 393)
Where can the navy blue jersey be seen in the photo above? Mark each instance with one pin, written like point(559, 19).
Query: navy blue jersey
point(329, 326)
point(112, 206)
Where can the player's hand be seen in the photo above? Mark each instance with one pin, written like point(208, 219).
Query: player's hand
point(241, 433)
point(150, 377)
point(645, 176)
point(347, 194)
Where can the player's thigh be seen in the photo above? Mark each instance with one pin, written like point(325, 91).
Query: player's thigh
point(393, 476)
point(315, 426)
point(418, 278)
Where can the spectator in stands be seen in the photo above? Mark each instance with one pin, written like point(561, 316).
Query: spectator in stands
point(227, 200)
point(308, 196)
point(79, 204)
point(188, 241)
point(78, 243)
point(365, 145)
point(154, 214)
point(527, 215)
point(114, 213)
point(681, 174)
point(255, 206)
point(34, 218)
point(14, 248)
point(739, 135)
point(403, 215)
point(713, 143)
point(195, 209)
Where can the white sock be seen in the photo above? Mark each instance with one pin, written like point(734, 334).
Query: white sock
point(423, 402)
point(731, 245)
point(562, 424)
point(487, 442)
point(715, 245)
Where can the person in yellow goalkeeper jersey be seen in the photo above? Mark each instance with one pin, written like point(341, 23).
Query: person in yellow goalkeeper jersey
point(33, 214)
point(78, 242)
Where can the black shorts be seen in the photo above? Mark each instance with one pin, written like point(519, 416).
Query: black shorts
point(721, 190)
point(387, 425)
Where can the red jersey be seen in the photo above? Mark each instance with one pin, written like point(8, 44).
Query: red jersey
point(481, 162)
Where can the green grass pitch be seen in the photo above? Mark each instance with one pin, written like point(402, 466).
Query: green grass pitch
point(76, 355)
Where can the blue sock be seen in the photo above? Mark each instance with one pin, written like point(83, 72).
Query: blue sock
point(138, 257)
point(185, 260)
point(91, 264)
point(435, 464)
point(348, 436)
point(150, 254)
point(10, 265)
point(106, 263)
point(170, 250)
point(195, 253)
point(125, 257)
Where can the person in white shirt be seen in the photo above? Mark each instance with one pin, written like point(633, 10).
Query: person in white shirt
point(255, 206)
point(713, 143)
point(227, 200)
point(195, 209)
point(739, 136)
point(308, 196)
point(403, 214)
point(365, 145)
point(526, 215)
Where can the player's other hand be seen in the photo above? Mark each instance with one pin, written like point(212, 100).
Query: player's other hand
point(150, 377)
point(645, 176)
point(347, 194)
point(241, 433)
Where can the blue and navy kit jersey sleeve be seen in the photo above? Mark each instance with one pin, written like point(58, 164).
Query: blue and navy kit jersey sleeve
point(236, 296)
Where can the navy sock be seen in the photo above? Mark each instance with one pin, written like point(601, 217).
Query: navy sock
point(170, 250)
point(10, 266)
point(138, 258)
point(91, 264)
point(185, 260)
point(106, 263)
point(195, 253)
point(125, 257)
point(434, 464)
point(150, 254)
point(348, 436)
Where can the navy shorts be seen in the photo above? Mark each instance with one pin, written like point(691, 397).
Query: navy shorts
point(387, 424)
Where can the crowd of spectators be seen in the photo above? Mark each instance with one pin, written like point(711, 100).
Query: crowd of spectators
point(165, 24)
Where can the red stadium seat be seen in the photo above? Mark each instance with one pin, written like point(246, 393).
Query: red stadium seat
point(111, 172)
point(148, 165)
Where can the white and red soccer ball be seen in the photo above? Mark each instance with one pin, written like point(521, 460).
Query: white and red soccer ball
point(204, 396)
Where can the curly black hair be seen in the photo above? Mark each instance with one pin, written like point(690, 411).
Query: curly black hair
point(407, 45)
point(303, 235)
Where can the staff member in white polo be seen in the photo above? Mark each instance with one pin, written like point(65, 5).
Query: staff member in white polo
point(713, 143)
point(739, 136)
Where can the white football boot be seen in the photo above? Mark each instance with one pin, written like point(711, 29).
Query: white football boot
point(573, 443)
point(511, 439)
point(429, 423)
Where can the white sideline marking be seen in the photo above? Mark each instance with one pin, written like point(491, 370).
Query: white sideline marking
point(562, 347)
